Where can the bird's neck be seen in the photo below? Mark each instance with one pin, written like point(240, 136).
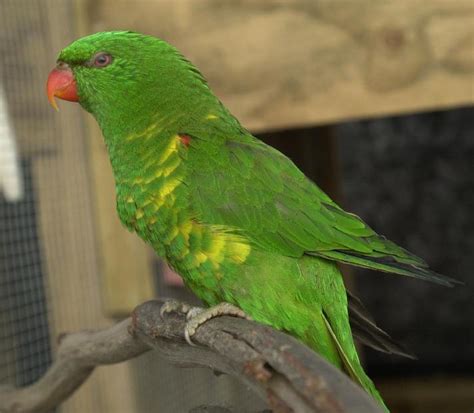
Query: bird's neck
point(136, 142)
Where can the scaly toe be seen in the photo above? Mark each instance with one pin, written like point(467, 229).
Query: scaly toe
point(193, 312)
point(174, 306)
point(197, 316)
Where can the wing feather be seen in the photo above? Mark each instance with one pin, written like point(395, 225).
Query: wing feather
point(249, 186)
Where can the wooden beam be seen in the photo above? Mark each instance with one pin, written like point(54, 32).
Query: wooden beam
point(286, 63)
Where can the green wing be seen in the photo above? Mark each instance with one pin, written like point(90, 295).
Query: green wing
point(247, 185)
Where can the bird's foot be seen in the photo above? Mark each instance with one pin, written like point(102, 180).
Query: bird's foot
point(197, 316)
point(174, 306)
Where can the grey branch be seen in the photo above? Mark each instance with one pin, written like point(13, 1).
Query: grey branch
point(285, 373)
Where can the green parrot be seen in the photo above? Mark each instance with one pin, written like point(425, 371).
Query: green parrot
point(234, 217)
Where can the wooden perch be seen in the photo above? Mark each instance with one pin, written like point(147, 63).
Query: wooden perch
point(282, 371)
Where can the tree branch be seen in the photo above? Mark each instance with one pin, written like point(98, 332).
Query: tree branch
point(282, 371)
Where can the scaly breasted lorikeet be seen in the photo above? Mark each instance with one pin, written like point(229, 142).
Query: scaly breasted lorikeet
point(233, 216)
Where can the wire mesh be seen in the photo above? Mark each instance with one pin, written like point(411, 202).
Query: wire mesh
point(25, 350)
point(24, 332)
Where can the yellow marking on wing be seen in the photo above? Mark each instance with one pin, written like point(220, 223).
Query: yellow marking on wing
point(186, 227)
point(166, 171)
point(169, 187)
point(139, 213)
point(211, 116)
point(150, 179)
point(146, 133)
point(215, 253)
point(171, 235)
point(227, 245)
point(238, 251)
point(171, 148)
point(158, 201)
point(146, 202)
point(200, 257)
point(130, 200)
point(224, 244)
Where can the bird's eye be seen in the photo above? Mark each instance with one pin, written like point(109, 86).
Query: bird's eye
point(102, 60)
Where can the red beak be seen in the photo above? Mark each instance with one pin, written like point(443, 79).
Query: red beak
point(61, 84)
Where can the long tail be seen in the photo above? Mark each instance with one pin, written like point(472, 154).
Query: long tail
point(352, 364)
point(387, 257)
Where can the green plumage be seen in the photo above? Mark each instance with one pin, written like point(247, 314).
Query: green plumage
point(236, 218)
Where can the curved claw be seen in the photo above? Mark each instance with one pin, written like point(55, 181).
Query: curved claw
point(188, 334)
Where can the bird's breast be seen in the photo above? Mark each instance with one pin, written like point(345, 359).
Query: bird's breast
point(155, 203)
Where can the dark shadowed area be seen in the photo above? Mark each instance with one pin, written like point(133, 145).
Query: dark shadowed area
point(411, 178)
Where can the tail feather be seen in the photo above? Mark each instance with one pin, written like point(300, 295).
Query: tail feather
point(387, 263)
point(368, 333)
point(353, 366)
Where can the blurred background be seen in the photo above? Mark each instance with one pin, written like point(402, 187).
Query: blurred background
point(373, 100)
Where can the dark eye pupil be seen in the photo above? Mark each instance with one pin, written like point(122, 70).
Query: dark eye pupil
point(102, 60)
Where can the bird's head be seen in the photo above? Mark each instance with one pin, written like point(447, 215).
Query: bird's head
point(124, 77)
